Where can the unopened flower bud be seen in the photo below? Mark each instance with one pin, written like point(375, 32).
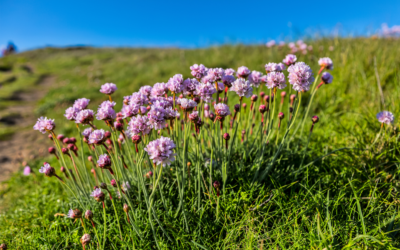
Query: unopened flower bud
point(66, 140)
point(281, 115)
point(126, 101)
point(126, 208)
point(107, 134)
point(262, 109)
point(254, 98)
point(266, 98)
point(292, 98)
point(50, 137)
point(283, 94)
point(60, 137)
point(3, 246)
point(88, 215)
point(244, 105)
point(52, 150)
point(85, 239)
point(212, 116)
point(85, 139)
point(227, 136)
point(237, 107)
point(70, 146)
point(103, 185)
point(136, 139)
point(72, 140)
point(189, 164)
point(119, 126)
point(109, 142)
point(93, 171)
point(62, 169)
point(315, 119)
point(149, 174)
point(181, 96)
point(64, 151)
point(196, 99)
point(206, 107)
point(113, 183)
point(216, 184)
point(119, 119)
point(90, 158)
point(262, 94)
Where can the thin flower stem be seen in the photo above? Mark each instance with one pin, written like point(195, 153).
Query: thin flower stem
point(116, 215)
point(105, 225)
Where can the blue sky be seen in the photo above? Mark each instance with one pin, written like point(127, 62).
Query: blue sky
point(33, 24)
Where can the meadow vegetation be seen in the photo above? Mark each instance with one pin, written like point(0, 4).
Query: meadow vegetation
point(334, 188)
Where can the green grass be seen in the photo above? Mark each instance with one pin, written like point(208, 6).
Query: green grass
point(347, 200)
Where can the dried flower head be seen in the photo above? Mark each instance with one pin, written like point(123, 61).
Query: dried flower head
point(88, 215)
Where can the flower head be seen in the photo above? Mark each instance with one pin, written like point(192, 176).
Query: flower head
point(27, 170)
point(189, 86)
point(74, 214)
point(290, 59)
point(44, 124)
point(300, 76)
point(85, 239)
point(146, 90)
point(71, 112)
point(276, 80)
point(274, 67)
point(84, 116)
point(98, 195)
point(230, 72)
point(385, 117)
point(215, 74)
point(205, 91)
point(138, 98)
point(125, 186)
point(139, 125)
point(108, 88)
point(81, 103)
point(47, 170)
point(187, 104)
point(104, 161)
point(243, 72)
point(242, 87)
point(106, 111)
point(221, 109)
point(255, 78)
point(175, 84)
point(227, 80)
point(198, 71)
point(156, 117)
point(326, 62)
point(161, 151)
point(87, 132)
point(158, 89)
point(326, 77)
point(97, 137)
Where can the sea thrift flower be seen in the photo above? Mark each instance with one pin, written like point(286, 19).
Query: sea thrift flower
point(227, 80)
point(138, 99)
point(104, 161)
point(198, 71)
point(44, 124)
point(276, 80)
point(81, 103)
point(85, 239)
point(194, 116)
point(326, 77)
point(74, 214)
point(47, 170)
point(274, 67)
point(255, 78)
point(385, 117)
point(205, 91)
point(290, 59)
point(84, 116)
point(71, 112)
point(156, 117)
point(98, 195)
point(139, 125)
point(215, 74)
point(326, 63)
point(243, 72)
point(125, 186)
point(175, 84)
point(88, 215)
point(242, 88)
point(129, 110)
point(230, 72)
point(108, 88)
point(27, 170)
point(87, 132)
point(300, 76)
point(158, 89)
point(145, 90)
point(106, 111)
point(97, 137)
point(190, 86)
point(222, 110)
point(187, 104)
point(161, 151)
point(270, 43)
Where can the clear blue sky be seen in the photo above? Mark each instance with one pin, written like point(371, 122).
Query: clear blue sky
point(35, 23)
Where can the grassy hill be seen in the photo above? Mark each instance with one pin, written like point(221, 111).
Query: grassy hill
point(326, 210)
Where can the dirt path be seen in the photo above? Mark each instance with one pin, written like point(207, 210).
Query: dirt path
point(26, 144)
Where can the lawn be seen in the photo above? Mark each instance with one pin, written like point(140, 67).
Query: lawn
point(334, 188)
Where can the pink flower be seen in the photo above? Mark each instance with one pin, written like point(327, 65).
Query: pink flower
point(139, 99)
point(275, 80)
point(205, 91)
point(300, 76)
point(158, 89)
point(145, 90)
point(270, 43)
point(243, 72)
point(187, 104)
point(198, 71)
point(175, 84)
point(43, 125)
point(161, 151)
point(27, 170)
point(189, 86)
point(104, 161)
point(242, 87)
point(81, 103)
point(385, 117)
point(97, 137)
point(84, 116)
point(326, 62)
point(229, 72)
point(139, 125)
point(71, 112)
point(326, 77)
point(255, 78)
point(290, 59)
point(108, 88)
point(47, 170)
point(221, 109)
